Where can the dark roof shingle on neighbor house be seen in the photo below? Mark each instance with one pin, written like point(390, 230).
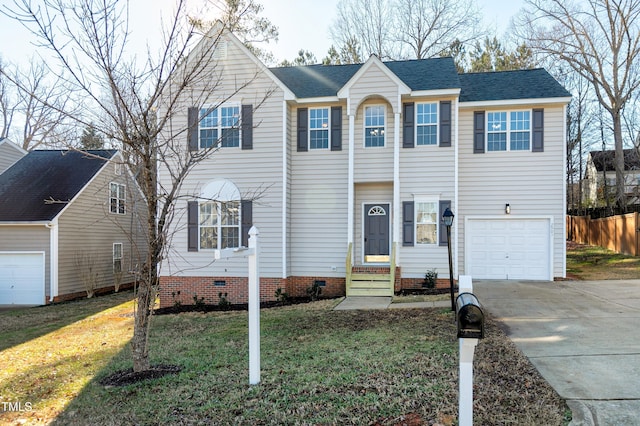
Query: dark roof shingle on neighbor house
point(28, 188)
point(606, 158)
point(311, 81)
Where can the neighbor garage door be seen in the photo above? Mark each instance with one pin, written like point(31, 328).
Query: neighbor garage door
point(22, 279)
point(509, 249)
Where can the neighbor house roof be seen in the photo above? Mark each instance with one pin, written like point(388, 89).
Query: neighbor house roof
point(40, 184)
point(606, 158)
point(312, 81)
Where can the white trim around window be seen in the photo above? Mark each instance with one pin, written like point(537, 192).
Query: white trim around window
point(426, 220)
point(319, 136)
point(219, 126)
point(117, 257)
point(219, 225)
point(117, 198)
point(427, 115)
point(374, 126)
point(508, 130)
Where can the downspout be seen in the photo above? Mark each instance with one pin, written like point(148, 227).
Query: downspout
point(285, 183)
point(456, 184)
point(396, 179)
point(53, 258)
point(350, 178)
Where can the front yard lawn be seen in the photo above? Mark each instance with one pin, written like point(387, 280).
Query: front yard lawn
point(319, 366)
point(597, 263)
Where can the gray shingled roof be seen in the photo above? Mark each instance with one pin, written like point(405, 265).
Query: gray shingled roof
point(427, 74)
point(522, 84)
point(46, 175)
point(607, 158)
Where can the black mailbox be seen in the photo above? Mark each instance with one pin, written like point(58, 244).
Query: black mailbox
point(469, 316)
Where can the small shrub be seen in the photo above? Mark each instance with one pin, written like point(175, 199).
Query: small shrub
point(430, 279)
point(281, 296)
point(176, 302)
point(223, 302)
point(314, 291)
point(198, 302)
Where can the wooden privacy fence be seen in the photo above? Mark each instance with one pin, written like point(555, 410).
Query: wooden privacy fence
point(617, 233)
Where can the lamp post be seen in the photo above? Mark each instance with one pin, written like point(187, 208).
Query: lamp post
point(447, 218)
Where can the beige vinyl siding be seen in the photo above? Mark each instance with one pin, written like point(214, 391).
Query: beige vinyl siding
point(8, 155)
point(88, 228)
point(257, 173)
point(370, 193)
point(373, 164)
point(427, 172)
point(318, 206)
point(531, 182)
point(33, 238)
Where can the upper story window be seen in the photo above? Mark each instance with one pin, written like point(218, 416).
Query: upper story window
point(374, 129)
point(427, 124)
point(220, 127)
point(219, 224)
point(319, 128)
point(509, 131)
point(117, 198)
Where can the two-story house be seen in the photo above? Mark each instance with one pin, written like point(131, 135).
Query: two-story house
point(346, 171)
point(600, 176)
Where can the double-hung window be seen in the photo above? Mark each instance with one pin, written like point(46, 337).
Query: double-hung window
point(374, 126)
point(219, 225)
point(117, 198)
point(319, 128)
point(220, 127)
point(426, 222)
point(427, 124)
point(509, 131)
point(117, 257)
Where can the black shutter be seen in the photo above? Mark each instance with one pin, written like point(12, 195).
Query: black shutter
point(192, 128)
point(247, 126)
point(336, 128)
point(538, 130)
point(246, 221)
point(478, 132)
point(442, 230)
point(192, 226)
point(445, 123)
point(407, 126)
point(303, 120)
point(407, 223)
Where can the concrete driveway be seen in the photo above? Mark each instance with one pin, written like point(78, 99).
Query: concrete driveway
point(582, 336)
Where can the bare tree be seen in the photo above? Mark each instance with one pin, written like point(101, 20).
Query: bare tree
point(133, 103)
point(370, 23)
point(7, 103)
point(599, 40)
point(429, 27)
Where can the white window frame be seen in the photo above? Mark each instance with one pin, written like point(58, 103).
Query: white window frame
point(219, 225)
point(435, 125)
point(365, 127)
point(417, 222)
point(327, 129)
point(120, 200)
point(117, 257)
point(218, 127)
point(509, 130)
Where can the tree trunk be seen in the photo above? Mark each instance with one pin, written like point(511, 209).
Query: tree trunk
point(621, 198)
point(140, 340)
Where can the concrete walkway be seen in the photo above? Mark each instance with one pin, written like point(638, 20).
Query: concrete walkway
point(582, 336)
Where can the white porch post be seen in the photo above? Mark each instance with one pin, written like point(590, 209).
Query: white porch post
point(396, 181)
point(350, 179)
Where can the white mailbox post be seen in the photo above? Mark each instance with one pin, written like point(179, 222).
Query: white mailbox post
point(254, 299)
point(467, 346)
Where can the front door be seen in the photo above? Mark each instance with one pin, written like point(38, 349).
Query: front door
point(376, 233)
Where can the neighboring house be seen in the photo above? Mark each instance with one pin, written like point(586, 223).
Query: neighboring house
point(600, 164)
point(355, 165)
point(68, 220)
point(9, 154)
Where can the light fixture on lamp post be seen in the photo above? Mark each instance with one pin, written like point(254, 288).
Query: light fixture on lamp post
point(447, 218)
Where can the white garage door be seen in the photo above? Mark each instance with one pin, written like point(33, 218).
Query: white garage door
point(22, 279)
point(511, 249)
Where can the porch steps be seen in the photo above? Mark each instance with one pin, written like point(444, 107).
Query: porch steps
point(365, 280)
